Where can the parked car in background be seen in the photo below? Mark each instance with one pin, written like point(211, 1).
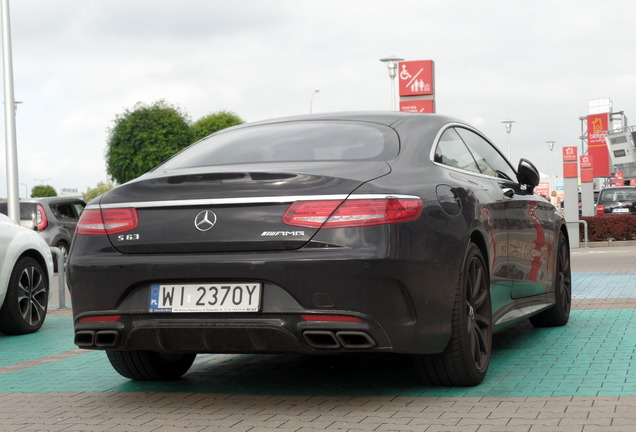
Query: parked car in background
point(26, 272)
point(617, 200)
point(54, 219)
point(321, 234)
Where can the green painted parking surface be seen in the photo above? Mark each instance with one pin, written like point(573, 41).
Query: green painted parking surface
point(594, 355)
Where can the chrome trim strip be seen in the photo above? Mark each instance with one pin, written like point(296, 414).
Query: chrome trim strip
point(246, 200)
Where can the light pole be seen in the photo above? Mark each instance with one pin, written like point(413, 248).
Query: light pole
point(311, 99)
point(508, 124)
point(552, 182)
point(13, 191)
point(42, 180)
point(392, 62)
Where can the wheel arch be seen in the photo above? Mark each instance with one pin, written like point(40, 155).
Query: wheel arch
point(478, 238)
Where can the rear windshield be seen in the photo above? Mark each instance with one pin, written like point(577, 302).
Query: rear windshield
point(292, 141)
point(27, 210)
point(616, 195)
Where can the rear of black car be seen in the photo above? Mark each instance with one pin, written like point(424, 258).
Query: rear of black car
point(261, 239)
point(617, 201)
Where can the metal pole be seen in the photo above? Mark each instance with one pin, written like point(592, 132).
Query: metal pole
point(392, 64)
point(508, 124)
point(13, 193)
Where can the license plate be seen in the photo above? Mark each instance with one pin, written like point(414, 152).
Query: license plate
point(620, 210)
point(216, 297)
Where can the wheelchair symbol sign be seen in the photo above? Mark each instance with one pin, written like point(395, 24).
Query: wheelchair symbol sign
point(416, 78)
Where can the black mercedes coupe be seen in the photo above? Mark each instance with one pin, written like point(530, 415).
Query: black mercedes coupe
point(322, 234)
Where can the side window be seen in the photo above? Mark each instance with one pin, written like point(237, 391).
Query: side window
point(488, 159)
point(452, 151)
point(63, 211)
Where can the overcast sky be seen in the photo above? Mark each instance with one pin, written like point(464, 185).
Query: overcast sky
point(79, 63)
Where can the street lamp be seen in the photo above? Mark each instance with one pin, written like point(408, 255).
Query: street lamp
point(42, 180)
point(508, 124)
point(392, 62)
point(311, 99)
point(552, 183)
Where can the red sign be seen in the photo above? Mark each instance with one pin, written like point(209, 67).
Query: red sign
point(619, 176)
point(416, 77)
point(570, 165)
point(586, 162)
point(570, 154)
point(597, 126)
point(587, 175)
point(543, 189)
point(632, 182)
point(418, 106)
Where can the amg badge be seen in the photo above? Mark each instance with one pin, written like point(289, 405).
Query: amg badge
point(282, 233)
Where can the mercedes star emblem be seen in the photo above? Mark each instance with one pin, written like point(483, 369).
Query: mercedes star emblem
point(205, 220)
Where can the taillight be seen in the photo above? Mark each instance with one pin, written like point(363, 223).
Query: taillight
point(352, 212)
point(107, 221)
point(41, 221)
point(600, 209)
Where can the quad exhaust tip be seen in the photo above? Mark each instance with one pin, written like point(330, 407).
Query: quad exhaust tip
point(97, 339)
point(326, 339)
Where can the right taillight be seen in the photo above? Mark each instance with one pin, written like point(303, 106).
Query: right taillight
point(107, 221)
point(352, 212)
point(600, 209)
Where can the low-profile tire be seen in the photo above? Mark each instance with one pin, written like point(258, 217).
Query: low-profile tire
point(24, 308)
point(150, 365)
point(465, 360)
point(559, 314)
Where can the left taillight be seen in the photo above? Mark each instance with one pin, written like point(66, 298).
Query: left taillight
point(107, 221)
point(41, 221)
point(352, 212)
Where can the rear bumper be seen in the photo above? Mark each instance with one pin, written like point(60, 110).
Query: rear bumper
point(401, 306)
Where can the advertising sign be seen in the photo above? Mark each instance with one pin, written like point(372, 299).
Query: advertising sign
point(619, 178)
point(597, 126)
point(418, 106)
point(416, 77)
point(543, 189)
point(570, 165)
point(587, 175)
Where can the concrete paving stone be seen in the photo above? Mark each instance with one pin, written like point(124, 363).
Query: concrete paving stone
point(612, 428)
point(465, 428)
point(506, 428)
point(299, 423)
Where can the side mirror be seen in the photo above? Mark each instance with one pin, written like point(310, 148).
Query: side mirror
point(528, 175)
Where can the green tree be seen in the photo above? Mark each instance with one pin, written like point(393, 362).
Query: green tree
point(102, 187)
point(143, 138)
point(42, 191)
point(214, 122)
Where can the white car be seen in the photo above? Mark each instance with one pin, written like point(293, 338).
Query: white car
point(26, 274)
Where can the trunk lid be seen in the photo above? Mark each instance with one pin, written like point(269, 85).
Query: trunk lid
point(229, 208)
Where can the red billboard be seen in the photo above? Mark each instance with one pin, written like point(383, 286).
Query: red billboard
point(597, 126)
point(416, 78)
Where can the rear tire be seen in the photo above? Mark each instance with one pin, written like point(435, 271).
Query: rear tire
point(150, 365)
point(465, 360)
point(26, 301)
point(559, 314)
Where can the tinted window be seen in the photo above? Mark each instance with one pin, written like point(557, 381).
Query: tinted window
point(293, 141)
point(452, 151)
point(489, 160)
point(617, 195)
point(27, 210)
point(63, 211)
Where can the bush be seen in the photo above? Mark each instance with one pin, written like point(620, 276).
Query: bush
point(617, 227)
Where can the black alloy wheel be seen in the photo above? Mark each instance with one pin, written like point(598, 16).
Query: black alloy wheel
point(559, 314)
point(26, 301)
point(465, 360)
point(150, 365)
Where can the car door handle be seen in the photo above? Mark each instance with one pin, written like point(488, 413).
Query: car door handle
point(508, 192)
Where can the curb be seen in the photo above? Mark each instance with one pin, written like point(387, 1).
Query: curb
point(611, 243)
